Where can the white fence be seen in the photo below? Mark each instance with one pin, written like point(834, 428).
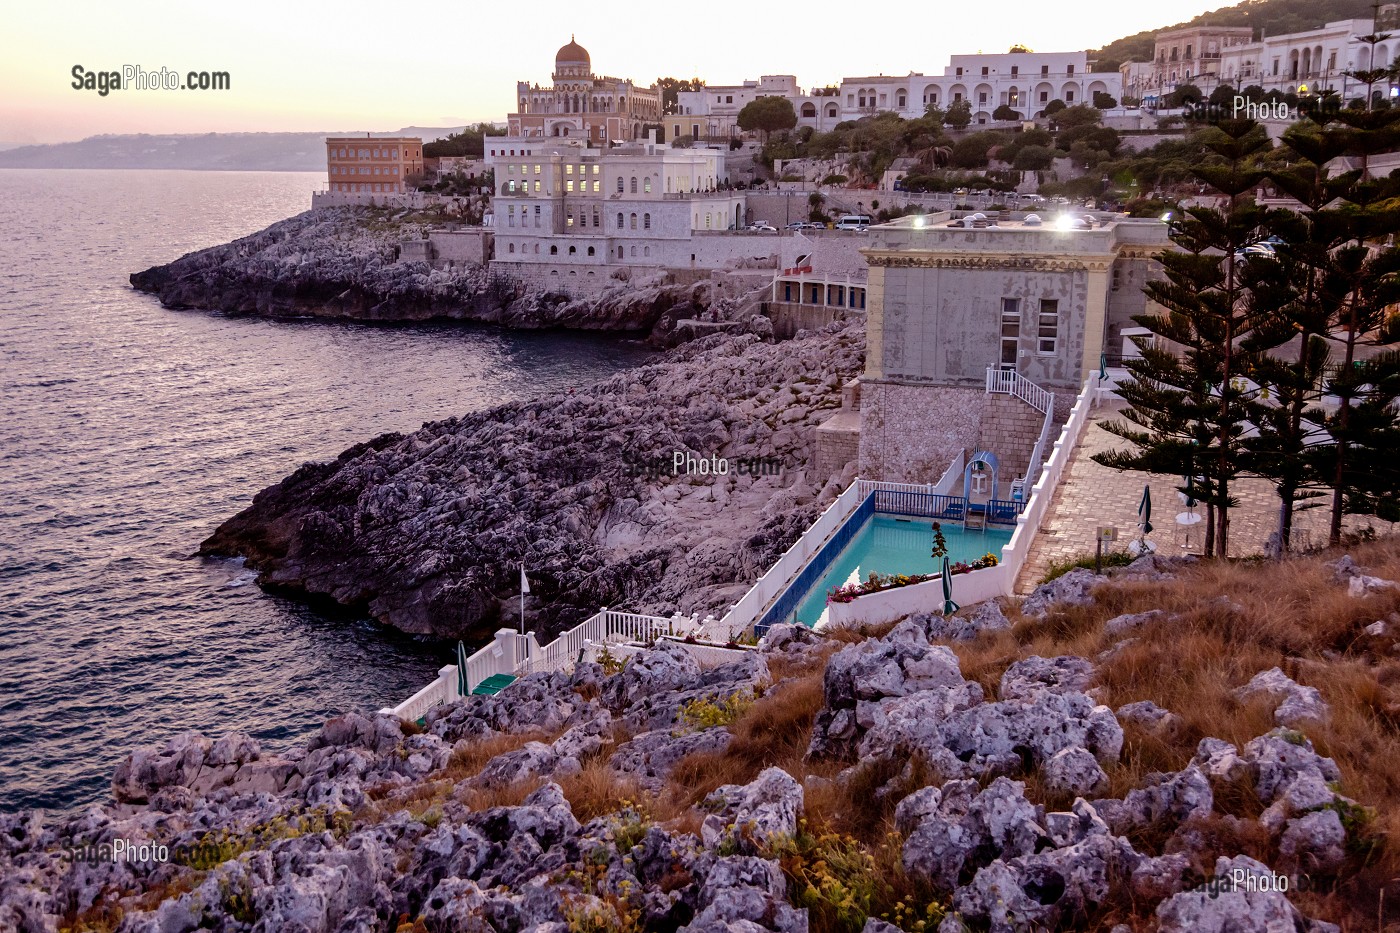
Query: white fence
point(1014, 554)
point(516, 655)
point(888, 605)
point(749, 609)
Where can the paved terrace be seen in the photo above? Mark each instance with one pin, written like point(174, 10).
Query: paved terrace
point(1090, 495)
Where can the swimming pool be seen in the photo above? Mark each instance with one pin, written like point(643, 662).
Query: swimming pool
point(896, 544)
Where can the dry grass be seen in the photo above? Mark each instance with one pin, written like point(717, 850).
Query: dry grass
point(1223, 623)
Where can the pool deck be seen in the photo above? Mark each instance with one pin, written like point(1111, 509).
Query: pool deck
point(1090, 495)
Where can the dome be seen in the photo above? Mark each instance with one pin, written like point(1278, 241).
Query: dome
point(572, 55)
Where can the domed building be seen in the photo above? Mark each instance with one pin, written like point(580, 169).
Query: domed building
point(594, 108)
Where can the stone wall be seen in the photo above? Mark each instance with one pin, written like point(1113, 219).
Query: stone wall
point(788, 318)
point(461, 247)
point(837, 441)
point(909, 434)
point(1010, 429)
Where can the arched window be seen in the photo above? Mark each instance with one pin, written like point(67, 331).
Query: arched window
point(632, 221)
point(590, 251)
point(809, 109)
point(634, 184)
point(646, 221)
point(619, 184)
point(646, 250)
point(537, 249)
point(619, 220)
point(510, 248)
point(573, 250)
point(554, 251)
point(634, 251)
point(619, 252)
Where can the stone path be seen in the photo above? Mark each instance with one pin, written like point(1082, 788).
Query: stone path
point(1090, 495)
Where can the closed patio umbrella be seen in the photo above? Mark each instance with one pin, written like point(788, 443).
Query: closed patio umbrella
point(462, 670)
point(949, 607)
point(1145, 510)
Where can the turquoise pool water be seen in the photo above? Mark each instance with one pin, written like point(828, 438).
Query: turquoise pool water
point(894, 544)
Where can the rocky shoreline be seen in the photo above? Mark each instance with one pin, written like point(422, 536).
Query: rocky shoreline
point(597, 799)
point(427, 531)
point(343, 263)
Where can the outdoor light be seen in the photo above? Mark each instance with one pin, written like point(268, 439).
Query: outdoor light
point(1064, 222)
point(919, 221)
point(1167, 217)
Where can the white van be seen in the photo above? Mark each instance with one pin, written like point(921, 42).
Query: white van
point(853, 222)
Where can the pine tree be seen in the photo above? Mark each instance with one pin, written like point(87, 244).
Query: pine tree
point(1190, 407)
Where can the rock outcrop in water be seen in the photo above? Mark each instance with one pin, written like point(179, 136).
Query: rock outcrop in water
point(585, 800)
point(343, 263)
point(428, 531)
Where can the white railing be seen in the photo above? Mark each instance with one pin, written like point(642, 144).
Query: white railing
point(1038, 451)
point(442, 690)
point(1014, 554)
point(1010, 382)
point(750, 608)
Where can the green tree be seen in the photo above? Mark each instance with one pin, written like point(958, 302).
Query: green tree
point(767, 115)
point(1054, 107)
point(1184, 96)
point(1006, 112)
point(1104, 101)
point(1078, 115)
point(958, 115)
point(1033, 158)
point(1188, 412)
point(670, 91)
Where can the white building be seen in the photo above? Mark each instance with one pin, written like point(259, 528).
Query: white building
point(1023, 81)
point(578, 210)
point(712, 113)
point(1316, 59)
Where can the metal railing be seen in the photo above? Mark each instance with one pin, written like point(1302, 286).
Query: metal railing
point(1010, 382)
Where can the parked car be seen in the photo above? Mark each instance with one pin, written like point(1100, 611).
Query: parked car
point(762, 226)
point(853, 222)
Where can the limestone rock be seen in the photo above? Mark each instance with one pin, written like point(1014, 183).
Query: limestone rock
point(1073, 588)
point(1297, 705)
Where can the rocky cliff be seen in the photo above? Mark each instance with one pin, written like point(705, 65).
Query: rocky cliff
point(343, 263)
point(894, 782)
point(428, 531)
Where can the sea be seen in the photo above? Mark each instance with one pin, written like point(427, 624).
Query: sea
point(128, 432)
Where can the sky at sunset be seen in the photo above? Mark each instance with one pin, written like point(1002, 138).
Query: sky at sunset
point(314, 66)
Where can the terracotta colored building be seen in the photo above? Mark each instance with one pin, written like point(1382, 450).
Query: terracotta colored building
point(373, 164)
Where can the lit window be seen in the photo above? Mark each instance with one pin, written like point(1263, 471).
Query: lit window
point(570, 186)
point(646, 184)
point(568, 170)
point(595, 169)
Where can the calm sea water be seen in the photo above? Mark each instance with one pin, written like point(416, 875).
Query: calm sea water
point(128, 432)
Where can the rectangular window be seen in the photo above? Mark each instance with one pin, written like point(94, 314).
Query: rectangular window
point(537, 169)
point(570, 186)
point(1071, 67)
point(1010, 331)
point(959, 72)
point(568, 170)
point(984, 71)
point(1048, 332)
point(1015, 70)
point(1044, 70)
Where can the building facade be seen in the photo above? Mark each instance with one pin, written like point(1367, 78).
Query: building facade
point(578, 210)
point(373, 164)
point(1036, 303)
point(712, 113)
point(1315, 60)
point(1191, 55)
point(582, 105)
point(1024, 81)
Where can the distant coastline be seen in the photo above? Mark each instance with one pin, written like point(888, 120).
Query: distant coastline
point(229, 152)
